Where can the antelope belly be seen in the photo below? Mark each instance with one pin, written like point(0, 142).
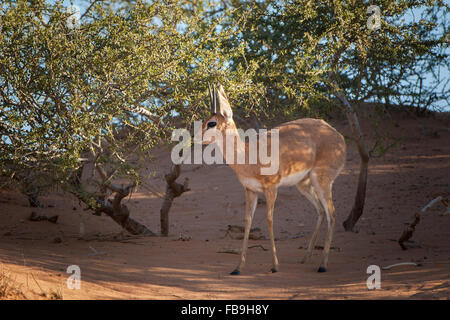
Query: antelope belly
point(293, 179)
point(251, 183)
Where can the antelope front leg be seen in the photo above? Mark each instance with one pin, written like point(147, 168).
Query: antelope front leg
point(251, 198)
point(271, 196)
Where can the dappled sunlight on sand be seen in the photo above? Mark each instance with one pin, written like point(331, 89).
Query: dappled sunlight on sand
point(400, 183)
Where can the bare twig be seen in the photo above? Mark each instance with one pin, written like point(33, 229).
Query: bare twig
point(229, 250)
point(95, 252)
point(258, 246)
point(42, 291)
point(431, 203)
point(401, 264)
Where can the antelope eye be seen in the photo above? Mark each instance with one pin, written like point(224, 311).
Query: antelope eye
point(211, 124)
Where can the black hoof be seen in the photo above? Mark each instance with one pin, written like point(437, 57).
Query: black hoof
point(322, 269)
point(273, 270)
point(235, 272)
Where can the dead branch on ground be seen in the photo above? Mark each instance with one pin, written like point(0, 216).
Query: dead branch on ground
point(408, 232)
point(101, 204)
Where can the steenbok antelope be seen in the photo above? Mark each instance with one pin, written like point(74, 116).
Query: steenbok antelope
point(311, 156)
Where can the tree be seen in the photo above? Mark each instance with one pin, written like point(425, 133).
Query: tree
point(313, 54)
point(101, 93)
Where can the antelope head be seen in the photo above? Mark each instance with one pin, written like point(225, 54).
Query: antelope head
point(221, 117)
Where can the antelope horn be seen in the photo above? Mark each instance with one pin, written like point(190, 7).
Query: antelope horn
point(212, 96)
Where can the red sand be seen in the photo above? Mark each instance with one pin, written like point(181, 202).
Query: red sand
point(400, 184)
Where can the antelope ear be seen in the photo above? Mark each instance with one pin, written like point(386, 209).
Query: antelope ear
point(224, 105)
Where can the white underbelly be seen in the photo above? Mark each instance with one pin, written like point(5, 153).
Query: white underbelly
point(290, 180)
point(251, 183)
point(293, 179)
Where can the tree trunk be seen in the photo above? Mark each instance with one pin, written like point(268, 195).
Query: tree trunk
point(164, 212)
point(33, 201)
point(173, 190)
point(122, 217)
point(352, 117)
point(120, 213)
point(358, 206)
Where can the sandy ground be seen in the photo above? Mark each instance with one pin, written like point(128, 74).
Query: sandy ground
point(187, 264)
